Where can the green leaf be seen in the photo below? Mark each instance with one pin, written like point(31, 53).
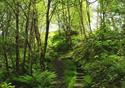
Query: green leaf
point(88, 79)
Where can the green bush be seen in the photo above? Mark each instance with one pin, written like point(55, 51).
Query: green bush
point(3, 74)
point(72, 82)
point(59, 43)
point(44, 80)
point(37, 80)
point(69, 73)
point(6, 85)
point(103, 59)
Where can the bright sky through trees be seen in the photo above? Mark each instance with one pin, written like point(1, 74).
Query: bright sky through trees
point(94, 5)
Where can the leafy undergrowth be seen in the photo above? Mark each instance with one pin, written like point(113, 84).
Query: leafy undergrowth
point(6, 85)
point(37, 80)
point(69, 73)
point(102, 57)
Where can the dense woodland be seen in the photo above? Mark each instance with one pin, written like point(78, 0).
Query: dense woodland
point(62, 44)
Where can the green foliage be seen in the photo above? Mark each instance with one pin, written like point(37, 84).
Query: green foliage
point(123, 84)
point(45, 79)
point(59, 42)
point(72, 82)
point(69, 73)
point(6, 85)
point(103, 59)
point(37, 80)
point(87, 79)
point(3, 74)
point(102, 54)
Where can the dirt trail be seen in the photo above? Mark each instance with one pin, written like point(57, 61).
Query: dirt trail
point(59, 68)
point(79, 78)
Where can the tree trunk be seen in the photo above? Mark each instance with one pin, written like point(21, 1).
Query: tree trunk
point(47, 26)
point(4, 52)
point(26, 37)
point(37, 35)
point(88, 16)
point(81, 17)
point(69, 26)
point(17, 37)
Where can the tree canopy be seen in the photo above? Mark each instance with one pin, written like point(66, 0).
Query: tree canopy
point(62, 44)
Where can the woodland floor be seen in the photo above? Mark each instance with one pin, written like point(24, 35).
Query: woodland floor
point(59, 64)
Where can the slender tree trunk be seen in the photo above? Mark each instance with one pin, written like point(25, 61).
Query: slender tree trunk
point(40, 49)
point(4, 37)
point(88, 15)
point(4, 52)
point(81, 17)
point(25, 45)
point(17, 37)
point(67, 22)
point(47, 25)
point(37, 35)
point(30, 45)
point(69, 25)
point(30, 58)
point(26, 37)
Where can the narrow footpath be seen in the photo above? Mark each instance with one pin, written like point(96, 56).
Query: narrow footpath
point(60, 73)
point(79, 78)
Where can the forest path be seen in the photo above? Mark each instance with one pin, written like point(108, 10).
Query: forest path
point(79, 78)
point(59, 68)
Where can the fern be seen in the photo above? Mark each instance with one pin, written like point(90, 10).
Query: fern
point(6, 85)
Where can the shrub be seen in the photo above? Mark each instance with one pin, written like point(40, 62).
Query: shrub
point(6, 85)
point(69, 73)
point(37, 80)
point(103, 60)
